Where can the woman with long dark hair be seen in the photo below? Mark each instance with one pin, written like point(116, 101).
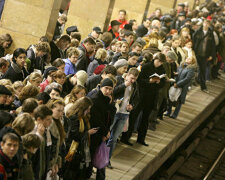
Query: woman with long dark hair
point(78, 159)
point(17, 71)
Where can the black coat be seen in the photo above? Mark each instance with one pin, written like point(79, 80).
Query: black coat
point(55, 52)
point(92, 82)
point(199, 37)
point(83, 59)
point(149, 91)
point(102, 114)
point(141, 31)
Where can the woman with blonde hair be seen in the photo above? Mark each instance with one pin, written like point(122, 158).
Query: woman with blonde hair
point(34, 79)
point(186, 72)
point(78, 160)
point(5, 42)
point(77, 92)
point(184, 35)
point(100, 58)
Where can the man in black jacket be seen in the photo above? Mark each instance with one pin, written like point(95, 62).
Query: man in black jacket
point(85, 49)
point(142, 30)
point(205, 49)
point(149, 90)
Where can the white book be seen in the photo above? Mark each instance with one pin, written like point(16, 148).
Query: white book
point(156, 75)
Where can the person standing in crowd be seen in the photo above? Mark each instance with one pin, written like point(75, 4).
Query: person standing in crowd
point(149, 91)
point(59, 26)
point(114, 30)
point(101, 118)
point(85, 50)
point(96, 31)
point(70, 62)
point(5, 43)
point(122, 18)
point(17, 71)
point(183, 80)
point(142, 30)
point(205, 49)
point(77, 163)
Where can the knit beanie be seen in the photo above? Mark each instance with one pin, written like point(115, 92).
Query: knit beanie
point(172, 55)
point(106, 82)
point(120, 63)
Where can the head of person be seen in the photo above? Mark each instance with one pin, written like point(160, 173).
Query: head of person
point(115, 25)
point(4, 93)
point(31, 142)
point(180, 7)
point(147, 23)
point(121, 65)
point(77, 92)
point(132, 75)
point(101, 54)
point(176, 41)
point(48, 73)
point(171, 57)
point(124, 47)
point(158, 12)
point(10, 98)
point(89, 44)
point(159, 58)
point(62, 19)
point(181, 16)
point(147, 56)
point(4, 65)
point(23, 124)
point(59, 64)
point(10, 145)
point(106, 87)
point(136, 47)
point(6, 41)
point(19, 57)
point(133, 58)
point(155, 29)
point(28, 91)
point(128, 36)
point(43, 39)
point(107, 38)
point(53, 92)
point(81, 108)
point(156, 23)
point(43, 98)
point(35, 79)
point(190, 60)
point(57, 107)
point(206, 24)
point(18, 86)
point(42, 49)
point(75, 35)
point(188, 43)
point(109, 70)
point(59, 77)
point(122, 15)
point(43, 115)
point(29, 105)
point(185, 32)
point(134, 24)
point(6, 119)
point(96, 31)
point(82, 77)
point(72, 54)
point(63, 42)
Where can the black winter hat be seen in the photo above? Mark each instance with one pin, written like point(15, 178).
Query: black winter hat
point(114, 23)
point(46, 72)
point(4, 90)
point(106, 82)
point(71, 29)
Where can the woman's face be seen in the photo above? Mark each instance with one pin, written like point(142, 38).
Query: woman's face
point(122, 70)
point(188, 45)
point(185, 33)
point(81, 94)
point(60, 80)
point(10, 100)
point(57, 111)
point(6, 44)
point(73, 59)
point(189, 60)
point(36, 82)
point(61, 68)
point(20, 60)
point(157, 63)
point(113, 48)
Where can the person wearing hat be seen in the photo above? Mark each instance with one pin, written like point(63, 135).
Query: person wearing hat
point(96, 31)
point(115, 25)
point(177, 23)
point(4, 92)
point(47, 77)
point(180, 7)
point(121, 65)
point(142, 30)
point(166, 23)
point(149, 91)
point(71, 29)
point(102, 113)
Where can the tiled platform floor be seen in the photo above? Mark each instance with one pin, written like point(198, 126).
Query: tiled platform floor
point(140, 162)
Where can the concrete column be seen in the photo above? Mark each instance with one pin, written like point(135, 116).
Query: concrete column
point(28, 20)
point(87, 14)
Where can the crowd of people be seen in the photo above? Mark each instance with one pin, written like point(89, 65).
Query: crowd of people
point(61, 99)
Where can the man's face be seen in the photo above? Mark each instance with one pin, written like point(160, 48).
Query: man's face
point(147, 24)
point(124, 48)
point(10, 148)
point(20, 60)
point(107, 90)
point(129, 39)
point(131, 78)
point(90, 47)
point(137, 49)
point(54, 94)
point(206, 25)
point(3, 98)
point(122, 16)
point(64, 45)
point(95, 35)
point(122, 70)
point(132, 60)
point(116, 28)
point(47, 121)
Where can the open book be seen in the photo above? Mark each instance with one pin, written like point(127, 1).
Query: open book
point(156, 75)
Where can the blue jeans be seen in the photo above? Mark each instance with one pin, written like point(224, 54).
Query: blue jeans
point(117, 128)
